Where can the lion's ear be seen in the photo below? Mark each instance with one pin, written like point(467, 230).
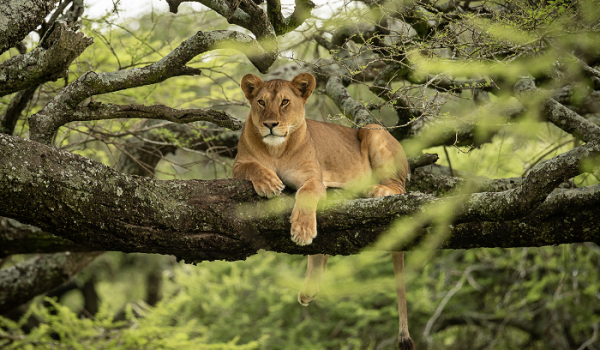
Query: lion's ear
point(250, 85)
point(305, 83)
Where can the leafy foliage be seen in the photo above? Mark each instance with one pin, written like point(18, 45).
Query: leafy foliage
point(456, 298)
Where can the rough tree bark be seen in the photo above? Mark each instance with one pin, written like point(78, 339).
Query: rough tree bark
point(22, 282)
point(49, 61)
point(19, 18)
point(98, 207)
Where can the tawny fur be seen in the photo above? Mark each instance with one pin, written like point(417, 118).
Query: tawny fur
point(279, 147)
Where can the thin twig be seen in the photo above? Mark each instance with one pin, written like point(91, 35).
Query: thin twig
point(449, 163)
point(590, 341)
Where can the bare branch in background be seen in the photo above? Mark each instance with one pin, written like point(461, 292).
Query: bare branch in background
point(47, 62)
point(355, 111)
point(247, 15)
point(283, 25)
point(59, 112)
point(557, 113)
point(99, 111)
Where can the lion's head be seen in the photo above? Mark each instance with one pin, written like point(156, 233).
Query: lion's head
point(277, 106)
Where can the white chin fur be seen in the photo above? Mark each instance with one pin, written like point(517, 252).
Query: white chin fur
point(273, 140)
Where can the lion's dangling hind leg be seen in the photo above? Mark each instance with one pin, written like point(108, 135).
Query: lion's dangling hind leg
point(404, 340)
point(390, 172)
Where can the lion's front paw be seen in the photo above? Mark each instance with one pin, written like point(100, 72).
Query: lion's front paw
point(304, 226)
point(268, 186)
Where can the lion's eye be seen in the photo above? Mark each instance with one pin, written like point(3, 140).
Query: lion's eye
point(261, 102)
point(285, 102)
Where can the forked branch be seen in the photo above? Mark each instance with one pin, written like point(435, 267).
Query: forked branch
point(59, 111)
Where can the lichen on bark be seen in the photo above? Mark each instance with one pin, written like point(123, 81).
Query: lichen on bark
point(47, 62)
point(19, 18)
point(99, 208)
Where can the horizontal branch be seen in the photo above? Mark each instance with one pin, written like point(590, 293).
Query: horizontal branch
point(17, 238)
point(58, 111)
point(567, 216)
point(98, 207)
point(47, 62)
point(100, 111)
point(564, 215)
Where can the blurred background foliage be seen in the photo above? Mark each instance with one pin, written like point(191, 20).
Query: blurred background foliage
point(527, 298)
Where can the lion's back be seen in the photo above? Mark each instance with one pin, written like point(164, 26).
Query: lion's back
point(339, 153)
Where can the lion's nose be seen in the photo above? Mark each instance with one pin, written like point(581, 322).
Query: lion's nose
point(270, 125)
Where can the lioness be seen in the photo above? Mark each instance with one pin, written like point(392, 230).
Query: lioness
point(279, 147)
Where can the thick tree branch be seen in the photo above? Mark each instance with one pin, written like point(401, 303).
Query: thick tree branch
point(58, 112)
point(564, 214)
point(47, 62)
point(100, 111)
point(17, 238)
point(18, 18)
point(567, 216)
point(102, 209)
point(22, 282)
